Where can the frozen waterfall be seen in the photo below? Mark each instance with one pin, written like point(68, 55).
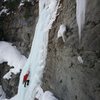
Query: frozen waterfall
point(36, 60)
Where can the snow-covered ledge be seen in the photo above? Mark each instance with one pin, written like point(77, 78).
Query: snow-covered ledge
point(12, 56)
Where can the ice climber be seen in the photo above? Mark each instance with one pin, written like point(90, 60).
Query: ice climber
point(26, 79)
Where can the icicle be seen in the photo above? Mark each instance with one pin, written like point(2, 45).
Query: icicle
point(80, 15)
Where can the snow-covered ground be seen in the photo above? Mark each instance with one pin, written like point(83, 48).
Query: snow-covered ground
point(12, 56)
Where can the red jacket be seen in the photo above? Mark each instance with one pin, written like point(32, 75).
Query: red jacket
point(25, 77)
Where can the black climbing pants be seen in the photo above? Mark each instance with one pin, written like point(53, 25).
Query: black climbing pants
point(26, 83)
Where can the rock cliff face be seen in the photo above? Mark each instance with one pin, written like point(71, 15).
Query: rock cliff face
point(19, 27)
point(64, 75)
point(10, 86)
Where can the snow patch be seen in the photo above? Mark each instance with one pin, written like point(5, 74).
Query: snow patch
point(39, 93)
point(47, 95)
point(21, 4)
point(61, 32)
point(80, 59)
point(10, 54)
point(4, 11)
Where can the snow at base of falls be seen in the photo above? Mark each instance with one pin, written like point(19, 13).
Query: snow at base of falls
point(47, 95)
point(40, 95)
point(12, 56)
point(36, 61)
point(80, 15)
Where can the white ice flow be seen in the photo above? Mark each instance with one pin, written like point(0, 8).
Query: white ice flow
point(12, 56)
point(61, 32)
point(36, 61)
point(80, 15)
